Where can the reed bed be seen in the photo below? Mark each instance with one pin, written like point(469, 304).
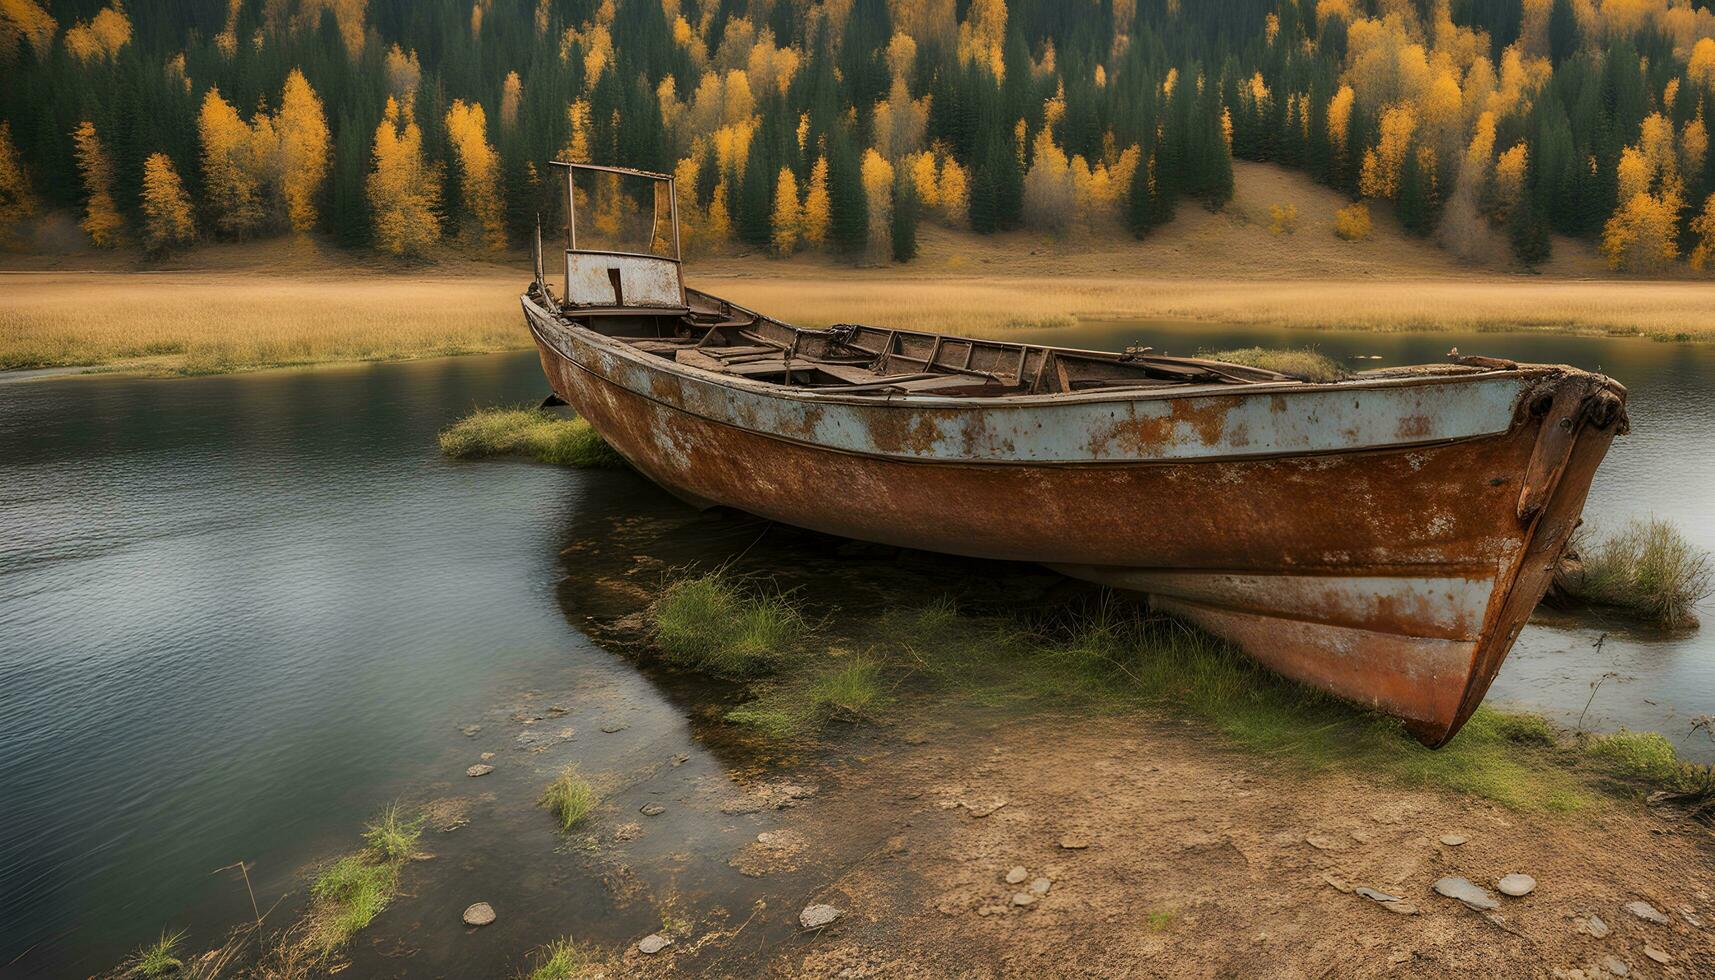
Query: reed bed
point(570, 798)
point(1645, 568)
point(207, 323)
point(545, 436)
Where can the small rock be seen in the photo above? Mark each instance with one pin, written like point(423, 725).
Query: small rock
point(1453, 840)
point(653, 943)
point(613, 726)
point(1691, 918)
point(486, 756)
point(981, 810)
point(557, 709)
point(1464, 890)
point(1516, 885)
point(1023, 899)
point(817, 916)
point(1647, 912)
point(652, 809)
point(1393, 903)
point(1074, 842)
point(1616, 966)
point(479, 770)
point(1321, 843)
point(681, 759)
point(1596, 927)
point(1659, 955)
point(1016, 874)
point(471, 730)
point(480, 914)
point(1040, 886)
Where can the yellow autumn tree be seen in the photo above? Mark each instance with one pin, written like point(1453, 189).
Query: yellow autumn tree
point(168, 219)
point(232, 168)
point(17, 200)
point(1511, 171)
point(101, 37)
point(479, 170)
point(719, 222)
point(1703, 227)
point(818, 210)
point(1340, 117)
point(982, 37)
point(1701, 67)
point(1379, 176)
point(404, 194)
point(953, 189)
point(25, 21)
point(1693, 145)
point(877, 176)
point(305, 150)
point(691, 227)
point(101, 219)
point(788, 215)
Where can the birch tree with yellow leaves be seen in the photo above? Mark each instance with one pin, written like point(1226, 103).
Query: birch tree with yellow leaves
point(305, 150)
point(479, 171)
point(168, 218)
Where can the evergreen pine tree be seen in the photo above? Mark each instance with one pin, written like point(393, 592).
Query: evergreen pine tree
point(904, 221)
point(1562, 32)
point(847, 203)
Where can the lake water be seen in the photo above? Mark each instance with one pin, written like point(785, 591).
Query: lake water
point(239, 614)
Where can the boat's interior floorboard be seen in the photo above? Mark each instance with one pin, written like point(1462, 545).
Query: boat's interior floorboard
point(713, 335)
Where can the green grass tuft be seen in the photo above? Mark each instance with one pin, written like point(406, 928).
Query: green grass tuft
point(570, 798)
point(392, 838)
point(563, 959)
point(159, 958)
point(1643, 756)
point(533, 432)
point(1646, 568)
point(726, 626)
point(1301, 363)
point(849, 692)
point(348, 896)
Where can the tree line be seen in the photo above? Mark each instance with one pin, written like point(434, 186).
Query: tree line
point(400, 125)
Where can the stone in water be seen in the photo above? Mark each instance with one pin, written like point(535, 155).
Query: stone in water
point(1016, 875)
point(1516, 885)
point(817, 916)
point(652, 809)
point(1465, 891)
point(479, 770)
point(653, 943)
point(480, 914)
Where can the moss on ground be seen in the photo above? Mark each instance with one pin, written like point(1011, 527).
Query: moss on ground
point(537, 433)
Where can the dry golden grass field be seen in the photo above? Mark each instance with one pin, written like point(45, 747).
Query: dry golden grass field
point(231, 308)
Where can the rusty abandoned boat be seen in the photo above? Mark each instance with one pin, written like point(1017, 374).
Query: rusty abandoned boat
point(1382, 538)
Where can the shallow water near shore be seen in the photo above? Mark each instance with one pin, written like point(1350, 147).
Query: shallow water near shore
point(239, 615)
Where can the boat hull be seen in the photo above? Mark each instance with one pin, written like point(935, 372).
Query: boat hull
point(1391, 565)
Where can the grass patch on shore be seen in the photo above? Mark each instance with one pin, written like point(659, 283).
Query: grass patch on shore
point(537, 433)
point(564, 959)
point(1646, 568)
point(570, 798)
point(1301, 363)
point(348, 894)
point(1116, 657)
point(725, 625)
point(158, 959)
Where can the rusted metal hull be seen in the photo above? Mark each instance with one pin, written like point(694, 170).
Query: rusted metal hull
point(1384, 541)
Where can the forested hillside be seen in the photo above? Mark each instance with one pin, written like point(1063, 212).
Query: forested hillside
point(406, 126)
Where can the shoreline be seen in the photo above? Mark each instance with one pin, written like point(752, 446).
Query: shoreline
point(239, 326)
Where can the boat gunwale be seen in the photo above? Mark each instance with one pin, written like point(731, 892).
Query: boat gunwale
point(653, 362)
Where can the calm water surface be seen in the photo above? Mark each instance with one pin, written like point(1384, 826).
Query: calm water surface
point(238, 614)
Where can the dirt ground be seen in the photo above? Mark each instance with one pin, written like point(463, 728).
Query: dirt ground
point(1167, 855)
